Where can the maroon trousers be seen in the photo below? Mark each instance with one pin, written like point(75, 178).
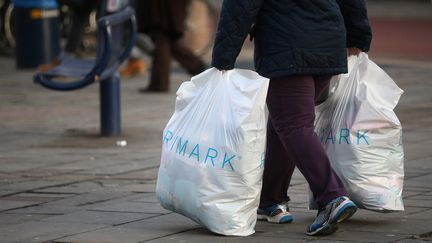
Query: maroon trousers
point(291, 141)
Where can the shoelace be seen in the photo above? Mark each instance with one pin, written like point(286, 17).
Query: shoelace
point(323, 214)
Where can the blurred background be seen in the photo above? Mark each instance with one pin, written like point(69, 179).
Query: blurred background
point(402, 35)
point(401, 28)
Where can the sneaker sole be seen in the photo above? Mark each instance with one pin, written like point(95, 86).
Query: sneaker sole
point(325, 230)
point(343, 213)
point(278, 219)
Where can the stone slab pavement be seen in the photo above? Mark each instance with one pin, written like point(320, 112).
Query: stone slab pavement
point(61, 182)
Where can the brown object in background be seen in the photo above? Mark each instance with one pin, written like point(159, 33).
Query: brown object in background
point(402, 38)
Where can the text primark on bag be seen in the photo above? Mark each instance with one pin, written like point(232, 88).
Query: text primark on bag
point(192, 150)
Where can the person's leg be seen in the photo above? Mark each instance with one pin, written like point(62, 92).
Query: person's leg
point(278, 169)
point(187, 59)
point(291, 109)
point(321, 88)
point(80, 17)
point(160, 70)
point(322, 83)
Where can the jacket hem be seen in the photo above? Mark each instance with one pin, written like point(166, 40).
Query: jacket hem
point(304, 71)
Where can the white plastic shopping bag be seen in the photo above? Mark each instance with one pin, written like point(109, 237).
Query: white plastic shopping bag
point(363, 136)
point(212, 151)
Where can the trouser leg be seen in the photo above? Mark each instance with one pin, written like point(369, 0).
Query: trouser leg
point(291, 103)
point(160, 70)
point(278, 169)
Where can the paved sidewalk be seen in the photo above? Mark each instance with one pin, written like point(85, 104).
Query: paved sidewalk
point(61, 182)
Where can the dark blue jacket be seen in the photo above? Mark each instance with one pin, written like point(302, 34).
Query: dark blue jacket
point(292, 37)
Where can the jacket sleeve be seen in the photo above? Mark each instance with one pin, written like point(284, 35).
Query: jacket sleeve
point(359, 33)
point(236, 19)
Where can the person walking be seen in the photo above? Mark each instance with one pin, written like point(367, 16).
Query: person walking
point(299, 46)
point(164, 22)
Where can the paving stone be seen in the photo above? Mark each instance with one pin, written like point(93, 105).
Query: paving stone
point(104, 184)
point(32, 185)
point(146, 197)
point(24, 160)
point(422, 215)
point(411, 172)
point(11, 178)
point(84, 165)
point(415, 151)
point(418, 185)
point(421, 197)
point(412, 186)
point(423, 178)
point(46, 208)
point(424, 163)
point(412, 240)
point(360, 236)
point(42, 231)
point(71, 204)
point(389, 225)
point(32, 196)
point(41, 173)
point(150, 152)
point(78, 187)
point(26, 199)
point(5, 193)
point(116, 196)
point(7, 218)
point(416, 136)
point(409, 194)
point(143, 187)
point(96, 217)
point(63, 155)
point(147, 174)
point(118, 168)
point(135, 232)
point(14, 166)
point(92, 198)
point(418, 203)
point(13, 204)
point(407, 210)
point(132, 207)
point(202, 235)
point(69, 177)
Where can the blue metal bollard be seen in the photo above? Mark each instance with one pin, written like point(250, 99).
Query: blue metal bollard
point(113, 49)
point(36, 31)
point(110, 106)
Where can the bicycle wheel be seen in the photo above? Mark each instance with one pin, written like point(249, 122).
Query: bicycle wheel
point(7, 38)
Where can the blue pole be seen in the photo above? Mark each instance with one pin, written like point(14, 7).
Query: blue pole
point(110, 106)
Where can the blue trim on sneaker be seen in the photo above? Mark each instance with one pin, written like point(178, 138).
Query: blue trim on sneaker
point(277, 213)
point(343, 213)
point(337, 211)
